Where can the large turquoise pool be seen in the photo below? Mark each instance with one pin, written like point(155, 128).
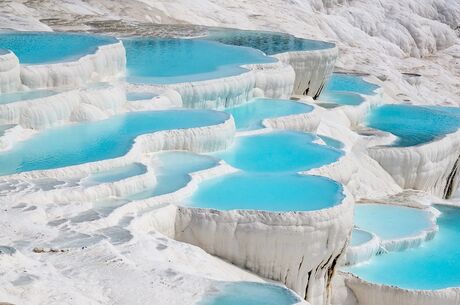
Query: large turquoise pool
point(99, 140)
point(250, 115)
point(267, 192)
point(434, 265)
point(249, 293)
point(280, 151)
point(166, 61)
point(415, 124)
point(51, 47)
point(391, 221)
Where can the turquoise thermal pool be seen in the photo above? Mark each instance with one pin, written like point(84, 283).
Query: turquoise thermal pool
point(115, 174)
point(173, 172)
point(391, 221)
point(249, 293)
point(51, 47)
point(267, 192)
point(359, 237)
point(268, 42)
point(166, 61)
point(346, 83)
point(138, 96)
point(99, 140)
point(7, 98)
point(414, 124)
point(342, 98)
point(280, 151)
point(434, 265)
point(250, 115)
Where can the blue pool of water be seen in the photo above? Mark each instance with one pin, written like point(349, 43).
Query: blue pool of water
point(434, 265)
point(280, 151)
point(166, 61)
point(99, 140)
point(268, 192)
point(342, 98)
point(331, 142)
point(414, 124)
point(341, 82)
point(173, 171)
point(137, 96)
point(359, 237)
point(250, 115)
point(268, 42)
point(7, 98)
point(249, 293)
point(115, 174)
point(48, 47)
point(391, 221)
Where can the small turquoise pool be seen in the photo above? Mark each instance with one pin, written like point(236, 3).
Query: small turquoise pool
point(332, 142)
point(250, 115)
point(138, 96)
point(434, 265)
point(115, 174)
point(345, 83)
point(173, 172)
point(267, 192)
point(391, 221)
point(280, 151)
point(342, 98)
point(7, 98)
point(51, 47)
point(268, 42)
point(99, 140)
point(359, 237)
point(249, 293)
point(166, 61)
point(414, 124)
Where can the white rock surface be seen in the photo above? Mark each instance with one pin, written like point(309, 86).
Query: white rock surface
point(10, 79)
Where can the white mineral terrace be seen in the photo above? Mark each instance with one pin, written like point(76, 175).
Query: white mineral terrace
point(86, 233)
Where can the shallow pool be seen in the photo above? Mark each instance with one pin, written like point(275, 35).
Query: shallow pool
point(115, 174)
point(414, 124)
point(341, 82)
point(341, 98)
point(137, 96)
point(434, 265)
point(332, 142)
point(166, 61)
point(279, 151)
point(99, 140)
point(391, 221)
point(249, 293)
point(359, 237)
point(268, 192)
point(51, 47)
point(7, 98)
point(250, 115)
point(173, 172)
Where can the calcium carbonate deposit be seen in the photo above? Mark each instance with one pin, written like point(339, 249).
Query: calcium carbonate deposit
point(217, 152)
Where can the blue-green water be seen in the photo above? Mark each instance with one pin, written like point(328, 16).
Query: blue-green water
point(249, 116)
point(280, 151)
point(359, 237)
point(414, 124)
point(434, 265)
point(331, 142)
point(391, 221)
point(249, 293)
point(342, 98)
point(115, 174)
point(165, 61)
point(49, 47)
point(268, 42)
point(95, 141)
point(137, 96)
point(173, 171)
point(268, 192)
point(342, 83)
point(7, 98)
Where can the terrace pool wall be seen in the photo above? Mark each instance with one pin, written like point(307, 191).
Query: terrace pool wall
point(10, 79)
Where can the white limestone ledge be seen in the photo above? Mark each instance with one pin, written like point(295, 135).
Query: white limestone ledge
point(93, 103)
point(303, 122)
point(362, 252)
point(312, 69)
point(10, 79)
point(299, 249)
point(106, 64)
point(376, 294)
point(432, 167)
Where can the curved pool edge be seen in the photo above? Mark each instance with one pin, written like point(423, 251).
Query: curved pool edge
point(378, 294)
point(10, 79)
point(362, 252)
